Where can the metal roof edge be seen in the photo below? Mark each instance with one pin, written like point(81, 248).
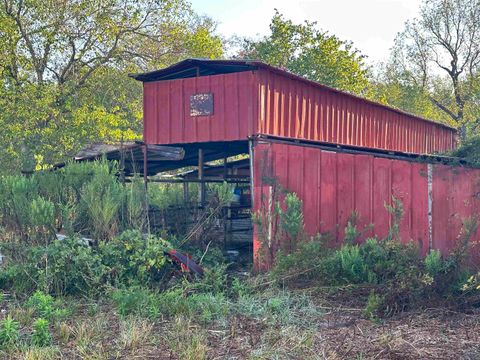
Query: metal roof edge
point(353, 149)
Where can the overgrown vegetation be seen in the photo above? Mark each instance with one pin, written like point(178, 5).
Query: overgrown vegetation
point(390, 274)
point(64, 294)
point(107, 241)
point(469, 151)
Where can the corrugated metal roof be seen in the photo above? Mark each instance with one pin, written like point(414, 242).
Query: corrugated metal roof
point(204, 67)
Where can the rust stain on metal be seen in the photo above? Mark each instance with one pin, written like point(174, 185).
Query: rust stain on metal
point(273, 102)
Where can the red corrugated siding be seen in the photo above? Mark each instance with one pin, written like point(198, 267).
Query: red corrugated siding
point(292, 108)
point(264, 102)
point(455, 197)
point(333, 184)
point(167, 117)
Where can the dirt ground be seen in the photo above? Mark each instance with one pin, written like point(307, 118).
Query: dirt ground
point(430, 334)
point(344, 334)
point(332, 333)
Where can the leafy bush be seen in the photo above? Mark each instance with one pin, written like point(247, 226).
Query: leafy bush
point(210, 258)
point(291, 219)
point(352, 266)
point(134, 258)
point(433, 263)
point(16, 278)
point(214, 281)
point(43, 304)
point(305, 263)
point(469, 151)
point(62, 268)
point(9, 333)
point(239, 288)
point(400, 277)
point(41, 334)
point(385, 259)
point(68, 267)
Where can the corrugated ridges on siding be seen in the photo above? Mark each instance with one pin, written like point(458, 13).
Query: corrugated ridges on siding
point(294, 109)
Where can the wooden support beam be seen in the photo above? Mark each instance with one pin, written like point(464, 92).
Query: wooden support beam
point(145, 166)
point(201, 195)
point(162, 152)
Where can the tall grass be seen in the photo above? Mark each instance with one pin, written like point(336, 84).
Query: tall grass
point(102, 199)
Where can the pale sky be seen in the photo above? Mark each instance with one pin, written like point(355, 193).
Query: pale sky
point(370, 24)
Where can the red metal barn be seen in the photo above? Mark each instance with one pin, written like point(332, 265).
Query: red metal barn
point(333, 183)
point(338, 152)
point(250, 98)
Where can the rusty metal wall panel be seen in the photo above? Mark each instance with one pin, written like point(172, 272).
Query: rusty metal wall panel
point(455, 198)
point(293, 108)
point(334, 184)
point(167, 115)
point(263, 102)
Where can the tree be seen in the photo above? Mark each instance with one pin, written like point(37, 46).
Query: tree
point(394, 88)
point(439, 53)
point(311, 53)
point(64, 65)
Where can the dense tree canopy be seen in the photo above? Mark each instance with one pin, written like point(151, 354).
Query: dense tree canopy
point(64, 66)
point(436, 64)
point(393, 87)
point(309, 52)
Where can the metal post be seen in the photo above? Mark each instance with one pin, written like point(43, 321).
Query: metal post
point(122, 163)
point(430, 205)
point(145, 165)
point(250, 156)
point(225, 210)
point(145, 181)
point(201, 194)
point(252, 187)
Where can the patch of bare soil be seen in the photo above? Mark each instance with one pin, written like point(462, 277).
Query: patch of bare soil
point(431, 334)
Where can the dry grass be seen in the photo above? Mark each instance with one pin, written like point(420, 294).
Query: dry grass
point(134, 333)
point(64, 332)
point(337, 334)
point(187, 340)
point(50, 353)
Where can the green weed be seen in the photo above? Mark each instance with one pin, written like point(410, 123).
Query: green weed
point(9, 333)
point(41, 333)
